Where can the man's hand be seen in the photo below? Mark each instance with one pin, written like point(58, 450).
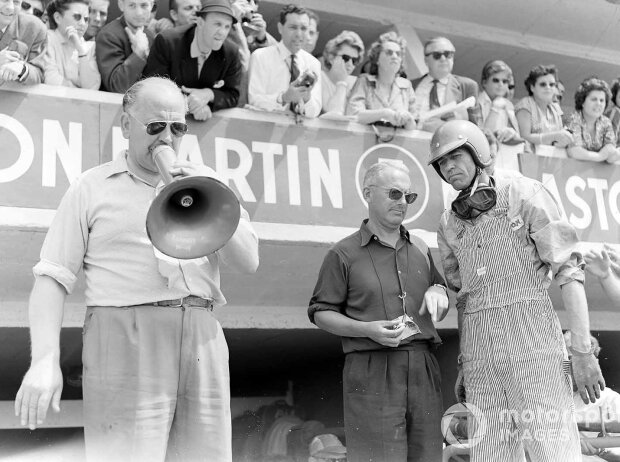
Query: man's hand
point(10, 71)
point(185, 168)
point(197, 98)
point(204, 113)
point(384, 332)
point(41, 385)
point(435, 302)
point(139, 42)
point(459, 387)
point(8, 56)
point(587, 448)
point(588, 377)
point(295, 94)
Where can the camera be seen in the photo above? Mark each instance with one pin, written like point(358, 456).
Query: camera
point(306, 79)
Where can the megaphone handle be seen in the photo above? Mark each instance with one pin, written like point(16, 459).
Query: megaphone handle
point(164, 158)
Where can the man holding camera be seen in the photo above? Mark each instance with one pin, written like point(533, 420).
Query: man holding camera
point(285, 76)
point(379, 290)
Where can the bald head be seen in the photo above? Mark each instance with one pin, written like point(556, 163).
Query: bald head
point(144, 93)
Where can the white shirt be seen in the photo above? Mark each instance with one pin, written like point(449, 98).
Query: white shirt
point(423, 93)
point(270, 77)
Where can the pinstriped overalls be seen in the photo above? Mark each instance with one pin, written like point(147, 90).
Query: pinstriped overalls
point(512, 345)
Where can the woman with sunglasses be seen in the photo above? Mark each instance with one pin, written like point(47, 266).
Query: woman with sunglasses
point(594, 138)
point(70, 60)
point(496, 110)
point(540, 119)
point(382, 95)
point(340, 57)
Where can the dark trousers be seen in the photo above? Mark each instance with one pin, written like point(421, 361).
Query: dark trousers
point(393, 405)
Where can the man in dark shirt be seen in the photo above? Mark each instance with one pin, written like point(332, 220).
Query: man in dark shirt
point(199, 60)
point(368, 282)
point(123, 46)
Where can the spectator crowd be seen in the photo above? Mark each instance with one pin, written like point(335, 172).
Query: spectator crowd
point(220, 53)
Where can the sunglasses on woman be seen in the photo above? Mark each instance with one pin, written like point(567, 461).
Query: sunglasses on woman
point(78, 17)
point(158, 126)
point(35, 11)
point(496, 80)
point(396, 194)
point(438, 54)
point(347, 58)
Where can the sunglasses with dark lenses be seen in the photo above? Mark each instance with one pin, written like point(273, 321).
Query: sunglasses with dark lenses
point(157, 126)
point(481, 200)
point(438, 54)
point(35, 11)
point(396, 194)
point(496, 80)
point(347, 58)
point(78, 17)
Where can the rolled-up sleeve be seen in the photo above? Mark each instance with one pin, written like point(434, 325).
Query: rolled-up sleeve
point(65, 244)
point(330, 292)
point(555, 238)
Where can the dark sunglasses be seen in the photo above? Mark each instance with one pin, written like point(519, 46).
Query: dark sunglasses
point(496, 80)
point(78, 17)
point(396, 194)
point(347, 58)
point(391, 52)
point(481, 200)
point(35, 11)
point(156, 127)
point(438, 54)
point(547, 84)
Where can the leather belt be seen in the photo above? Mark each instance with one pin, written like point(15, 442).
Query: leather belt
point(190, 300)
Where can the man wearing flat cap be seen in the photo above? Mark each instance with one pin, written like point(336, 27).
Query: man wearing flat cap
point(198, 59)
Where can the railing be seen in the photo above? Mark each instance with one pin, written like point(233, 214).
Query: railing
point(301, 184)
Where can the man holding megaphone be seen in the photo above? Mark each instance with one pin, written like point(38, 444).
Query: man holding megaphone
point(155, 378)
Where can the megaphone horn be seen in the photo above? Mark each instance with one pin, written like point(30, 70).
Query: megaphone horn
point(192, 216)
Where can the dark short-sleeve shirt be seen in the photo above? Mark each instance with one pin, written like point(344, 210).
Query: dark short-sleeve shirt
point(362, 278)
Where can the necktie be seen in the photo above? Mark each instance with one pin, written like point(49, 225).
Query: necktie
point(433, 99)
point(294, 69)
point(294, 74)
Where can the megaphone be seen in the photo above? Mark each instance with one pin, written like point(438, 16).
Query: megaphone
point(192, 216)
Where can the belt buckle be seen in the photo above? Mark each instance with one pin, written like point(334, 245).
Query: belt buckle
point(178, 305)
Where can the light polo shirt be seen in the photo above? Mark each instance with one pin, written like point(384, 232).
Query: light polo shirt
point(362, 278)
point(270, 77)
point(423, 93)
point(100, 226)
point(63, 66)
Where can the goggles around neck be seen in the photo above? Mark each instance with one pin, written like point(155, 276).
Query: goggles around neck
point(475, 200)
